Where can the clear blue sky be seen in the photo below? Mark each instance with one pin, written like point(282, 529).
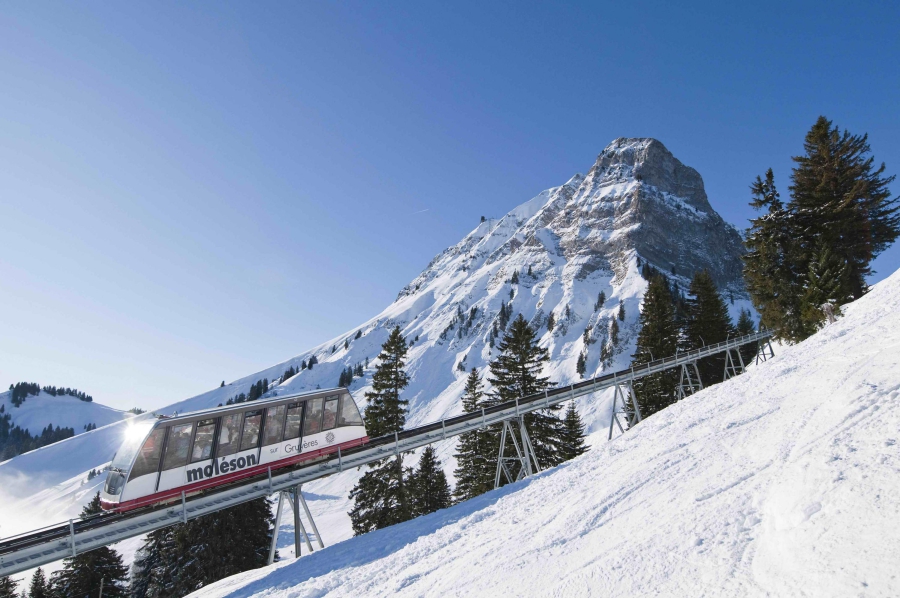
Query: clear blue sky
point(190, 192)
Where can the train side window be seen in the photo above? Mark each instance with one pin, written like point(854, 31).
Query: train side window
point(313, 423)
point(250, 437)
point(230, 435)
point(274, 425)
point(349, 412)
point(292, 424)
point(147, 460)
point(331, 410)
point(203, 440)
point(177, 446)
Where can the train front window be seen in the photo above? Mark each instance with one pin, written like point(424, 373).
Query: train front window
point(313, 423)
point(229, 435)
point(292, 423)
point(250, 438)
point(203, 440)
point(134, 436)
point(177, 446)
point(148, 457)
point(331, 409)
point(274, 425)
point(349, 412)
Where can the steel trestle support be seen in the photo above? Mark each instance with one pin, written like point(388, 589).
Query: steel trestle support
point(733, 367)
point(524, 457)
point(624, 404)
point(690, 381)
point(296, 500)
point(762, 347)
point(62, 540)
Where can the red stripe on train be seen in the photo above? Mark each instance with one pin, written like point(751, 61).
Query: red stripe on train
point(150, 499)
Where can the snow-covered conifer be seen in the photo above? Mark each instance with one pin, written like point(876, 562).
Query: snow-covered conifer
point(81, 575)
point(428, 487)
point(381, 497)
point(516, 373)
point(658, 338)
point(572, 435)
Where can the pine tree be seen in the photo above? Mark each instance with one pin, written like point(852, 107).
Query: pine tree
point(621, 311)
point(771, 273)
point(381, 497)
point(39, 588)
point(601, 299)
point(148, 569)
point(842, 202)
point(551, 322)
point(515, 277)
point(658, 338)
point(428, 487)
point(614, 333)
point(707, 323)
point(474, 466)
point(824, 285)
point(358, 334)
point(744, 327)
point(572, 435)
point(81, 575)
point(516, 373)
point(8, 587)
point(580, 364)
point(176, 561)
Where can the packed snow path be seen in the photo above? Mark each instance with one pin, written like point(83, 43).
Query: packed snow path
point(781, 482)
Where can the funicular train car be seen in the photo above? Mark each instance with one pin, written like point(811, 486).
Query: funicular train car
point(161, 458)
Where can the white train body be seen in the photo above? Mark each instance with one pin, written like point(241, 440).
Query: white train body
point(161, 459)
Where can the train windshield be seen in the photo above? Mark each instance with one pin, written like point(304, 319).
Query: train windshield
point(134, 438)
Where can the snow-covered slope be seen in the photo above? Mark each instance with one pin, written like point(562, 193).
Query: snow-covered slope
point(37, 411)
point(637, 202)
point(782, 482)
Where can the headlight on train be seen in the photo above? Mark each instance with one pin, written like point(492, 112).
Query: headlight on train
point(115, 481)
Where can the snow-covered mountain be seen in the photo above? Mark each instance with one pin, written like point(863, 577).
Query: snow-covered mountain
point(637, 204)
point(38, 411)
point(784, 481)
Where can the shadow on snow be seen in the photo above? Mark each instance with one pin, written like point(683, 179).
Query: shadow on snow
point(364, 549)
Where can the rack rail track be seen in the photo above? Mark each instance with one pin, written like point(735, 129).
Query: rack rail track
point(55, 542)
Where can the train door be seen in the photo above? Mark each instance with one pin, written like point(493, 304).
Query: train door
point(273, 431)
point(175, 457)
point(312, 424)
point(293, 420)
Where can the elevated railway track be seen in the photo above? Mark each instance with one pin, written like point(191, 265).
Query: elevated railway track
point(55, 542)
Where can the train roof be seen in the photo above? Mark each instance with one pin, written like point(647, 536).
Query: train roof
point(249, 405)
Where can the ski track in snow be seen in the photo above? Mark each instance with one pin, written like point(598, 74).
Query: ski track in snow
point(780, 482)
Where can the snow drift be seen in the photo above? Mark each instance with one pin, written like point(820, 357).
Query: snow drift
point(784, 481)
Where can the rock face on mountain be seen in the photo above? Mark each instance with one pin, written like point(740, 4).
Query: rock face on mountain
point(667, 218)
point(637, 199)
